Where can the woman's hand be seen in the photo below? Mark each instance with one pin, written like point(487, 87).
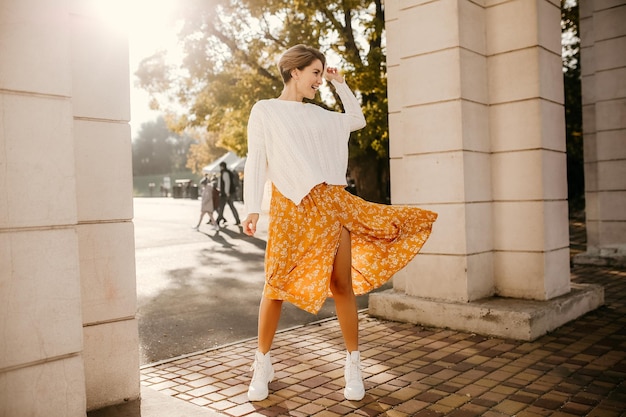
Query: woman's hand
point(249, 224)
point(332, 73)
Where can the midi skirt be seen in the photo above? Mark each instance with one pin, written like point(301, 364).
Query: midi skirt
point(207, 205)
point(303, 240)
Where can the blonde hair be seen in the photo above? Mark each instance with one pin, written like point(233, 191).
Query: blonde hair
point(298, 57)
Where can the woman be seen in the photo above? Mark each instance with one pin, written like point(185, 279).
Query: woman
point(207, 205)
point(322, 240)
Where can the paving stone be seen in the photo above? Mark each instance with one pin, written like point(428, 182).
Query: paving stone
point(576, 370)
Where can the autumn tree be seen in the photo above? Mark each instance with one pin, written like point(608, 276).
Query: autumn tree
point(231, 47)
point(159, 150)
point(203, 151)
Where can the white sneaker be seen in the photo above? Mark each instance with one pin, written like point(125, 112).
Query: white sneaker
point(263, 375)
point(355, 390)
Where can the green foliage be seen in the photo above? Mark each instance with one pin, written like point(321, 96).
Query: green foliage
point(159, 150)
point(231, 47)
point(203, 151)
point(573, 104)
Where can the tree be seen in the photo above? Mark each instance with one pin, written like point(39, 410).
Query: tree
point(203, 151)
point(231, 47)
point(573, 104)
point(158, 150)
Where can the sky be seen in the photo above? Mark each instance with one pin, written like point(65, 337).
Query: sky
point(150, 28)
point(151, 35)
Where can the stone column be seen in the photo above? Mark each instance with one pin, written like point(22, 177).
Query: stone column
point(103, 159)
point(439, 129)
point(41, 362)
point(603, 66)
point(477, 135)
point(67, 279)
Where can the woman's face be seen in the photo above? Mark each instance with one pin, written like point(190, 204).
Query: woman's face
point(309, 79)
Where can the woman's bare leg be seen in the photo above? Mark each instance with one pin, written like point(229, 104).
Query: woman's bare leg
point(200, 220)
point(343, 293)
point(269, 315)
point(345, 301)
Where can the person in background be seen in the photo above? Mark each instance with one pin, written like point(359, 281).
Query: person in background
point(207, 206)
point(321, 239)
point(228, 192)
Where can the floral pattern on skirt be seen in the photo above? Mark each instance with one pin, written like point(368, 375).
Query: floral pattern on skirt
point(303, 240)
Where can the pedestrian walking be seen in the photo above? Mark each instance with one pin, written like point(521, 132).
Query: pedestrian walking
point(322, 240)
point(207, 206)
point(228, 192)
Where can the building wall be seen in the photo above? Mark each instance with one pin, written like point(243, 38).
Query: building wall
point(477, 135)
point(476, 124)
point(67, 279)
point(603, 65)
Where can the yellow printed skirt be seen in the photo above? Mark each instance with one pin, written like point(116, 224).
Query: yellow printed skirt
point(303, 240)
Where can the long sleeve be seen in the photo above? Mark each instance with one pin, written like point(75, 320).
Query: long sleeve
point(351, 105)
point(256, 163)
point(298, 145)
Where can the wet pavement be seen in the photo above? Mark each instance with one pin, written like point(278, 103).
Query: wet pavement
point(577, 370)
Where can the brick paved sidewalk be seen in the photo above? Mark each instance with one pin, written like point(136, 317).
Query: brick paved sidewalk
point(577, 370)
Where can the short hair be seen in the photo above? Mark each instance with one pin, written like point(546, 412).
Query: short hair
point(298, 57)
point(222, 164)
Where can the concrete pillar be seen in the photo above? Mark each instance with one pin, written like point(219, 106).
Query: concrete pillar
point(439, 148)
point(603, 56)
point(477, 135)
point(527, 121)
point(67, 280)
point(103, 159)
point(41, 362)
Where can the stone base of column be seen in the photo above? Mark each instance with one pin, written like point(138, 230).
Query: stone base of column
point(607, 256)
point(500, 317)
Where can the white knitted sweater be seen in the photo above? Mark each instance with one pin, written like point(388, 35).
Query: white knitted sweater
point(298, 145)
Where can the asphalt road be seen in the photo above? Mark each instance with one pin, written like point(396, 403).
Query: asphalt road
point(200, 289)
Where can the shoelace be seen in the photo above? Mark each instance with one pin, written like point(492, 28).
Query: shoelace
point(260, 371)
point(354, 371)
